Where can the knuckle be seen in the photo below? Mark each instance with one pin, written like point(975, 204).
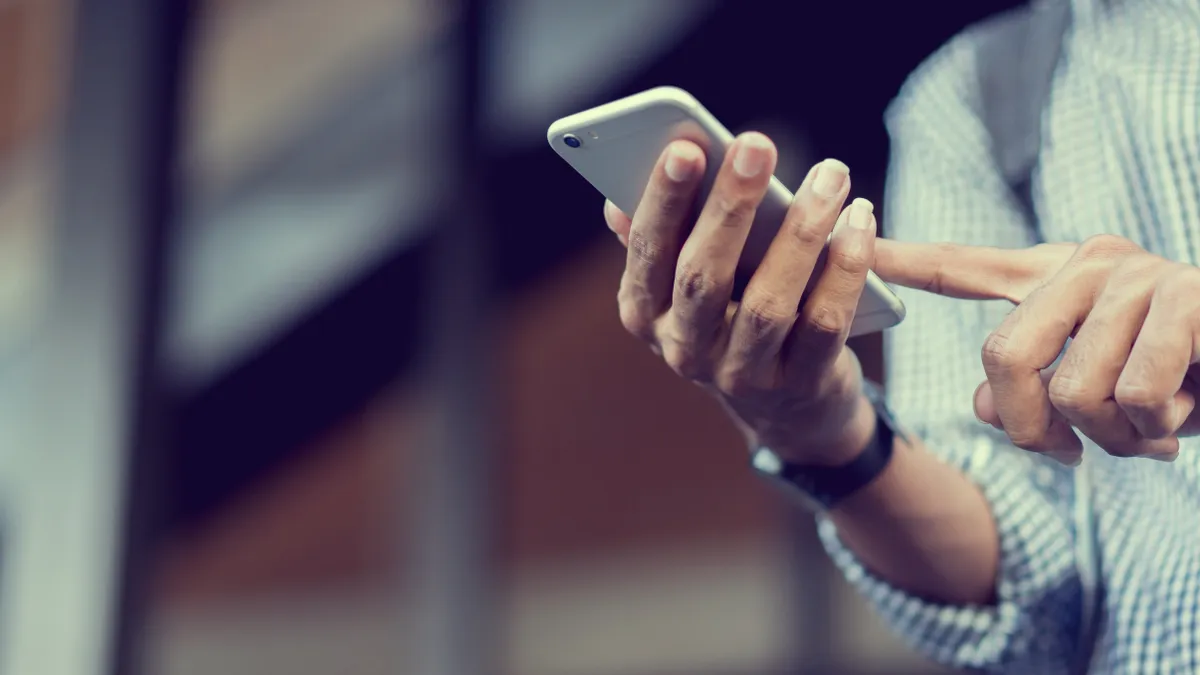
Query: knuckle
point(685, 362)
point(1138, 397)
point(808, 235)
point(694, 282)
point(852, 262)
point(944, 251)
point(765, 316)
point(1068, 393)
point(733, 207)
point(998, 352)
point(645, 249)
point(827, 321)
point(635, 319)
point(810, 230)
point(1105, 246)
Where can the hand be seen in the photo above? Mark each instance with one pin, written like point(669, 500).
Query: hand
point(783, 370)
point(1127, 380)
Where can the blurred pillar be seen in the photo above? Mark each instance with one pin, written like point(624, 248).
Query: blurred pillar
point(455, 547)
point(105, 401)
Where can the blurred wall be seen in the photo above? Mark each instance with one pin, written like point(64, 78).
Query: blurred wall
point(631, 537)
point(30, 51)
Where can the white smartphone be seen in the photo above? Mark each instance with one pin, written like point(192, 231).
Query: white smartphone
point(616, 145)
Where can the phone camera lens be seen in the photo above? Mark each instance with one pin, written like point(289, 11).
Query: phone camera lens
point(572, 141)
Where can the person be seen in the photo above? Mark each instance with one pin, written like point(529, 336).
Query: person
point(1046, 538)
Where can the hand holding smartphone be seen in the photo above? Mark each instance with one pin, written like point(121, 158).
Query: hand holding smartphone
point(616, 146)
point(708, 219)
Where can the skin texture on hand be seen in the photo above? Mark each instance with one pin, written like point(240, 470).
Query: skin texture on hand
point(781, 367)
point(1127, 379)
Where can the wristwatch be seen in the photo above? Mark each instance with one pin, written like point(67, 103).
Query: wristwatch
point(820, 488)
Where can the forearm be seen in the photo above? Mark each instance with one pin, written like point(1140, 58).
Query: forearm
point(961, 552)
point(925, 528)
point(922, 526)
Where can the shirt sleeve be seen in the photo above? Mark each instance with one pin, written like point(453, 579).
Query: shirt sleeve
point(943, 186)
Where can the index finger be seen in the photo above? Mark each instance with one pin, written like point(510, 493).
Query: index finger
point(968, 272)
point(655, 231)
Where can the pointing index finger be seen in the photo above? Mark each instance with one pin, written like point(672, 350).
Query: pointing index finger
point(969, 272)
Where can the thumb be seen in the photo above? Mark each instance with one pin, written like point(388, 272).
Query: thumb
point(985, 410)
point(985, 400)
point(985, 406)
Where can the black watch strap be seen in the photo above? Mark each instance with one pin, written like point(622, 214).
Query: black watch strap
point(823, 487)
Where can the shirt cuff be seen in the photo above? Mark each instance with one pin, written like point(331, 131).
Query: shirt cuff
point(1033, 625)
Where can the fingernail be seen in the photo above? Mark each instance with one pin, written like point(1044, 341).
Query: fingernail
point(608, 214)
point(682, 160)
point(752, 155)
point(831, 176)
point(975, 403)
point(1066, 457)
point(861, 216)
point(842, 221)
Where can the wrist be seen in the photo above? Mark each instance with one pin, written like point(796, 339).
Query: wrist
point(857, 423)
point(824, 475)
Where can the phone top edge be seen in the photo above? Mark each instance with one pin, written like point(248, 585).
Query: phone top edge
point(657, 96)
point(877, 286)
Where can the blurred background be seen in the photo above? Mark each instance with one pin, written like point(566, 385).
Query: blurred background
point(309, 352)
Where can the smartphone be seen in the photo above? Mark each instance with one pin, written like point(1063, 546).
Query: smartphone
point(616, 145)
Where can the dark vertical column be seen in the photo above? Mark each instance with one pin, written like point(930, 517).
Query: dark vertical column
point(456, 493)
point(115, 212)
